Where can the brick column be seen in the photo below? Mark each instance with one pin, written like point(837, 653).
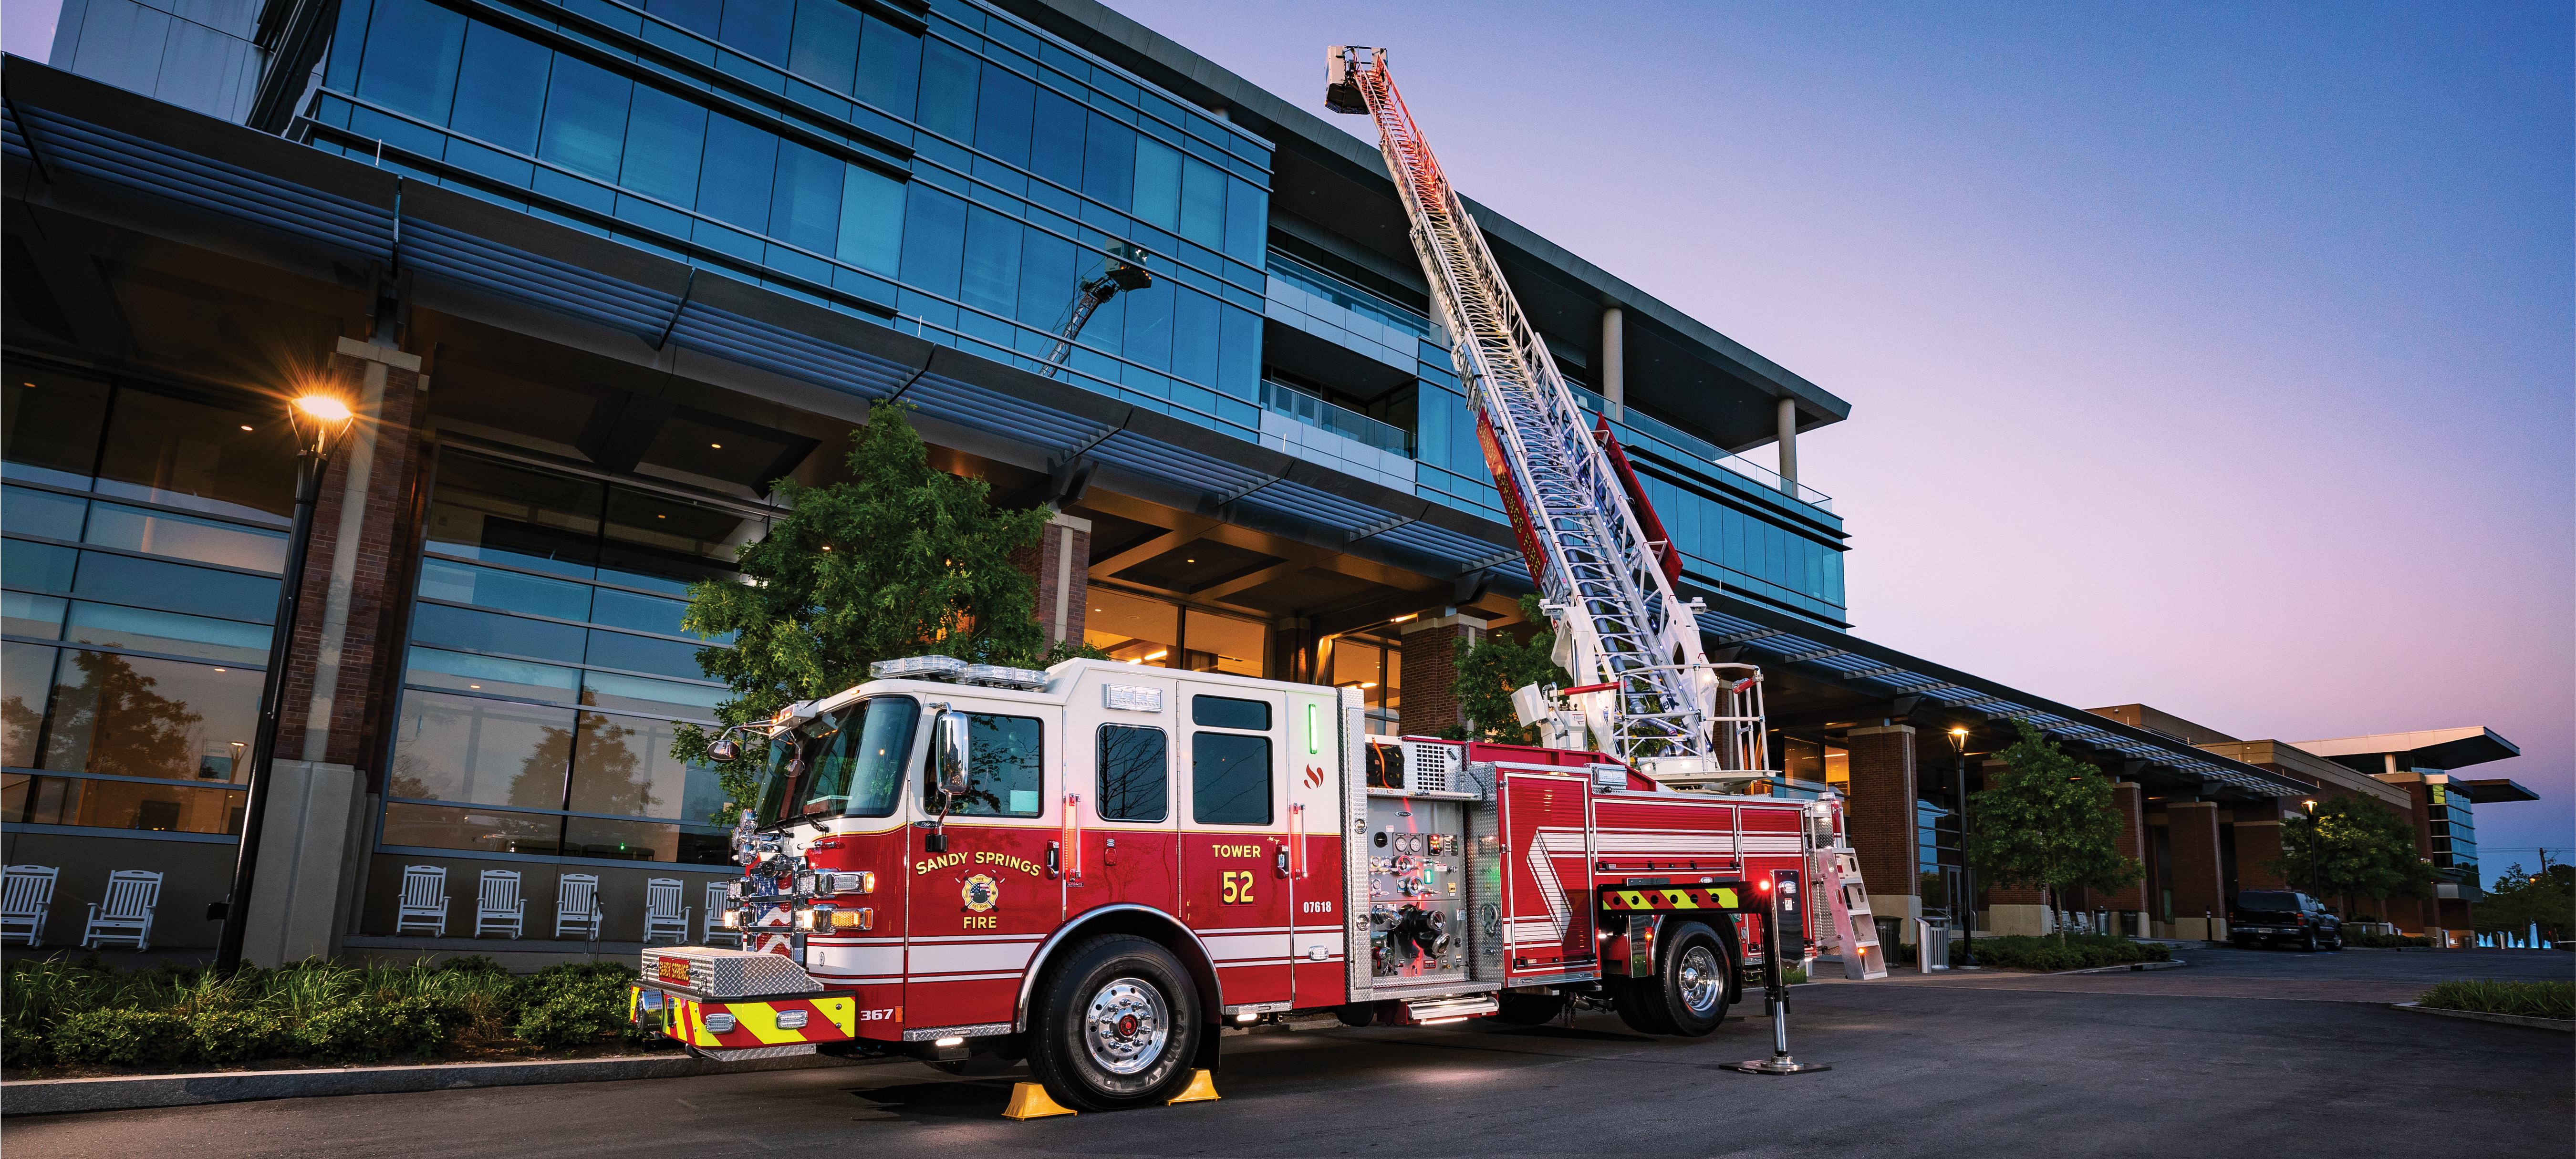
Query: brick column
point(2257, 844)
point(1062, 566)
point(1431, 650)
point(2192, 829)
point(1881, 821)
point(2129, 798)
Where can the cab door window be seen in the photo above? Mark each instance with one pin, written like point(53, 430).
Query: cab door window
point(1005, 769)
point(1230, 772)
point(1135, 773)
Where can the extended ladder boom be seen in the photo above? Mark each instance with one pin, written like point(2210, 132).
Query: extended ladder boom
point(1664, 708)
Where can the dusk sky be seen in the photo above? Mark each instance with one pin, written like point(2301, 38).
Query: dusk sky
point(2216, 357)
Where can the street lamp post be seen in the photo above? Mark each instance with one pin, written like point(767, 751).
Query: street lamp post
point(1967, 885)
point(2316, 879)
point(318, 421)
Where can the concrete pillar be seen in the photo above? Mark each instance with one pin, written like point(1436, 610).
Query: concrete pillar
point(1614, 360)
point(2192, 829)
point(1431, 647)
point(2258, 844)
point(1064, 577)
point(2129, 798)
point(1881, 820)
point(309, 847)
point(1789, 439)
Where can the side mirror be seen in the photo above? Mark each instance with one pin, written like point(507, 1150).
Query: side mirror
point(724, 751)
point(948, 749)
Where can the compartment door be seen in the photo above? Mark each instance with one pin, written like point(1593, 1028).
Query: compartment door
point(1546, 828)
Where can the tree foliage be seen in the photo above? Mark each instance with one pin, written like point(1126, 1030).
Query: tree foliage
point(2353, 847)
point(1489, 670)
point(2522, 899)
point(901, 559)
point(2047, 820)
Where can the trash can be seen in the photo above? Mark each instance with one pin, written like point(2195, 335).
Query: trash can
point(1931, 945)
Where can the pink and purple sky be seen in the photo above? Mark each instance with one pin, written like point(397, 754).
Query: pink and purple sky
point(2211, 356)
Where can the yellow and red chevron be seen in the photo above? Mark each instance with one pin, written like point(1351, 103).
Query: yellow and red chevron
point(1670, 898)
point(833, 1018)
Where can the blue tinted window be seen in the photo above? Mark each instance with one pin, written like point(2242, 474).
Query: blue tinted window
point(44, 567)
point(889, 68)
point(1056, 152)
point(1046, 279)
point(934, 240)
point(948, 77)
point(174, 587)
point(734, 185)
point(992, 265)
point(1109, 161)
point(1003, 114)
point(871, 220)
point(637, 654)
point(643, 613)
point(806, 210)
point(704, 17)
point(492, 92)
point(586, 118)
point(663, 140)
point(412, 47)
point(1247, 221)
point(1158, 184)
point(1149, 324)
point(1194, 336)
point(346, 46)
point(826, 50)
point(511, 591)
point(1239, 356)
point(758, 28)
point(1202, 203)
point(492, 632)
point(28, 511)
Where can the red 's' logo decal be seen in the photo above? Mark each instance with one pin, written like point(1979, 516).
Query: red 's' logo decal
point(1314, 777)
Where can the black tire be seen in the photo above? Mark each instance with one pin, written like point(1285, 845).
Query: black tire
point(2308, 942)
point(1148, 1026)
point(1356, 1014)
point(1687, 995)
point(1628, 1001)
point(1529, 1009)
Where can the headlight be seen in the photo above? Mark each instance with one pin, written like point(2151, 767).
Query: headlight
point(733, 919)
point(804, 919)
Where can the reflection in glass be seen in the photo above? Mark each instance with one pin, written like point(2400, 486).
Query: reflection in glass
point(137, 717)
point(459, 748)
point(25, 615)
point(664, 698)
point(1135, 773)
point(511, 591)
point(148, 583)
point(27, 511)
point(34, 800)
point(1229, 778)
point(111, 626)
point(50, 423)
point(491, 676)
point(461, 827)
point(614, 761)
point(846, 763)
point(620, 840)
point(187, 537)
point(1005, 769)
point(185, 453)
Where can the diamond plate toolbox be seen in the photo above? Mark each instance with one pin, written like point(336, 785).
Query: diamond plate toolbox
point(704, 972)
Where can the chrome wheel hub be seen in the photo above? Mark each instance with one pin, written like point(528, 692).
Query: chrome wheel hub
point(1126, 1026)
point(1700, 984)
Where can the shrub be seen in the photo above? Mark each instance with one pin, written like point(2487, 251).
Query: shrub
point(2385, 941)
point(371, 1031)
point(2080, 952)
point(125, 1037)
point(2486, 996)
point(573, 1004)
point(233, 1034)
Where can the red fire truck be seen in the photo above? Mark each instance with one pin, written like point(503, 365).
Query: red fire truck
point(1098, 867)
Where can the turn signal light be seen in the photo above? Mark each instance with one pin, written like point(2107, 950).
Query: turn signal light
point(854, 919)
point(863, 881)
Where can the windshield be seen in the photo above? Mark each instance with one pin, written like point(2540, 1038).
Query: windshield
point(848, 763)
point(2268, 900)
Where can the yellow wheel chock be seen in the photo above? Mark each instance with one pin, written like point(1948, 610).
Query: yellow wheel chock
point(1202, 1089)
point(1030, 1101)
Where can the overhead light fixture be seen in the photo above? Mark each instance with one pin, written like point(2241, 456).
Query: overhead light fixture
point(245, 426)
point(1408, 616)
point(1368, 684)
point(718, 446)
point(1157, 655)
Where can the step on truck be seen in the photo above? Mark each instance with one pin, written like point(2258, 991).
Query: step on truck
point(1099, 867)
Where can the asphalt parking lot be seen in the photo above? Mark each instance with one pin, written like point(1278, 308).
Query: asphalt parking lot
point(2241, 1053)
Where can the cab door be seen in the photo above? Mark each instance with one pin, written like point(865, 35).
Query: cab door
point(1122, 751)
point(1234, 854)
point(979, 908)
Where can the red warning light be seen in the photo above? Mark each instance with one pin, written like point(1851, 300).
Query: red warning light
point(1763, 885)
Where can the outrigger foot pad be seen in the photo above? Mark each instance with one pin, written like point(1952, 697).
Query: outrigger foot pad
point(1781, 1064)
point(1202, 1088)
point(1030, 1101)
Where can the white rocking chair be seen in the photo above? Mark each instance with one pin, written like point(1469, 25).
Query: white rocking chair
point(711, 930)
point(577, 905)
point(424, 900)
point(497, 905)
point(664, 916)
point(25, 900)
point(126, 915)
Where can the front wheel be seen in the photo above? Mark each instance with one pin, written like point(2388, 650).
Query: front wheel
point(1117, 1026)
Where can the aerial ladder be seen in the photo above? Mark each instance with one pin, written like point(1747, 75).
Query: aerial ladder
point(1645, 688)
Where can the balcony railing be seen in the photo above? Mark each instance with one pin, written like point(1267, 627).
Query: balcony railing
point(1698, 448)
point(1348, 296)
point(1349, 424)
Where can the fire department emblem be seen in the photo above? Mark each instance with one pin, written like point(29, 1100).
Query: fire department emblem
point(982, 892)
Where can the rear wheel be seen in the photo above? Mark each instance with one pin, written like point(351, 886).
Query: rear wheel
point(1687, 995)
point(2308, 942)
point(1117, 1026)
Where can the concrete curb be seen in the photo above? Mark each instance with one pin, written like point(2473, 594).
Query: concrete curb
point(2126, 967)
point(135, 1092)
point(2562, 1025)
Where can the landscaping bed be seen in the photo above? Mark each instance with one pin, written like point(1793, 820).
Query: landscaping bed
point(72, 1018)
point(2556, 1000)
point(2385, 941)
point(2047, 955)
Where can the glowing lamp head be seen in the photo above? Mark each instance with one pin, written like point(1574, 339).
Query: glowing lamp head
point(323, 408)
point(318, 419)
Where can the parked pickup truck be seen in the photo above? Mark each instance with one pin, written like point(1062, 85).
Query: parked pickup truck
point(2278, 916)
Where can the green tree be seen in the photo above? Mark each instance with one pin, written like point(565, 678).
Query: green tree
point(2047, 820)
point(1489, 670)
point(2352, 846)
point(2521, 900)
point(901, 559)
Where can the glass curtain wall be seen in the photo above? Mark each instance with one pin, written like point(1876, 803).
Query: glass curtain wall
point(146, 529)
point(1374, 664)
point(548, 670)
point(1142, 629)
point(962, 172)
